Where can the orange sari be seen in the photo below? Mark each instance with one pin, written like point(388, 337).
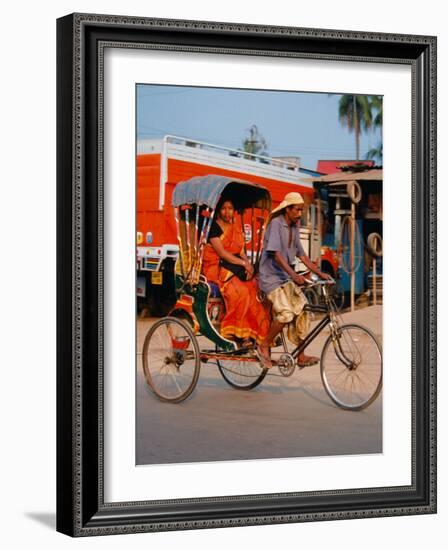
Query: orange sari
point(245, 316)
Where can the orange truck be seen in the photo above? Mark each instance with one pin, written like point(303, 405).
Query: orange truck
point(161, 164)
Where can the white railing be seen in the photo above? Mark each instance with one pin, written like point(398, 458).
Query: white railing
point(224, 157)
point(236, 153)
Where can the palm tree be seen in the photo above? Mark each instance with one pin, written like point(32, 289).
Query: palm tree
point(355, 112)
point(376, 153)
point(376, 103)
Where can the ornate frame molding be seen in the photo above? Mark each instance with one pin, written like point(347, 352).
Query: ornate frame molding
point(81, 42)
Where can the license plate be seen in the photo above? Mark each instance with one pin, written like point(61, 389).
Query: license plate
point(156, 277)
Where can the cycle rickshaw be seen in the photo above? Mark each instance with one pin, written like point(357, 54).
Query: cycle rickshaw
point(351, 358)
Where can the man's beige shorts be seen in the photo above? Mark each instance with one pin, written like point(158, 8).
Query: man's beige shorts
point(288, 302)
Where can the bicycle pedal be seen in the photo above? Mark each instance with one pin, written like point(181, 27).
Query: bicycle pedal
point(307, 364)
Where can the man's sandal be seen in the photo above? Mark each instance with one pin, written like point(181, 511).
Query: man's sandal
point(265, 360)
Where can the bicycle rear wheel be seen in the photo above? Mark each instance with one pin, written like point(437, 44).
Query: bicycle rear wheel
point(240, 374)
point(351, 367)
point(171, 360)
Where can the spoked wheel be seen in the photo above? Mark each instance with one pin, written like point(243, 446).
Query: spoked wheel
point(351, 367)
point(171, 361)
point(240, 374)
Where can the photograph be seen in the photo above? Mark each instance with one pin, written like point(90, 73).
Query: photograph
point(259, 274)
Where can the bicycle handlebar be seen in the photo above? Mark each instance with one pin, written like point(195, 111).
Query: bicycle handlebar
point(319, 281)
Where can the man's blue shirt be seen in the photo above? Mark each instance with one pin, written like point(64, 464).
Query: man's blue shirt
point(276, 239)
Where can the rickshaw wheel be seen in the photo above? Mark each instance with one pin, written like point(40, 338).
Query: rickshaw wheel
point(240, 374)
point(171, 360)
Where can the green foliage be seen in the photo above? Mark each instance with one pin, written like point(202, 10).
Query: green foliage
point(254, 143)
point(360, 113)
point(376, 153)
point(376, 102)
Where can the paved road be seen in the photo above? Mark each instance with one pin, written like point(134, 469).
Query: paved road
point(282, 417)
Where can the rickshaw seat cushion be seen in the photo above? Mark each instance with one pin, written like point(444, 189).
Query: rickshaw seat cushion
point(214, 290)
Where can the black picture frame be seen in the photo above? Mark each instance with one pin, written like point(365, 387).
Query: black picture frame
point(81, 510)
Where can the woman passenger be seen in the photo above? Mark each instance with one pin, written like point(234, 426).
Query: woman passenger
point(246, 319)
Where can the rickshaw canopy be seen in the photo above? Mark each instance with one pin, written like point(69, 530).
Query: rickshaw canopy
point(207, 191)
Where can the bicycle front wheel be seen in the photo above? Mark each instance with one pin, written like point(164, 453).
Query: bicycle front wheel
point(171, 360)
point(351, 367)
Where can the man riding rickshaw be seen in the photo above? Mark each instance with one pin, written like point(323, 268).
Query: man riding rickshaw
point(220, 226)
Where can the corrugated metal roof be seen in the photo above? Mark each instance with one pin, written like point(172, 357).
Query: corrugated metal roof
point(368, 175)
point(330, 166)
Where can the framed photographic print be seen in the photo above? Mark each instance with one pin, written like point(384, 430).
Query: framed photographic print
point(246, 275)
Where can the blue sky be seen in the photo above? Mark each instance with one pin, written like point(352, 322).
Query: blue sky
point(299, 124)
